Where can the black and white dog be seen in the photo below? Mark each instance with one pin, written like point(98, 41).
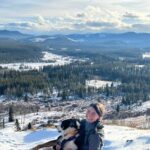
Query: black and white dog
point(69, 134)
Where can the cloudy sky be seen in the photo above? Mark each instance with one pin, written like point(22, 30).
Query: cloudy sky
point(75, 16)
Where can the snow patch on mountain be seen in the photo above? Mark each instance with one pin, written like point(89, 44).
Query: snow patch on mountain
point(100, 83)
point(73, 40)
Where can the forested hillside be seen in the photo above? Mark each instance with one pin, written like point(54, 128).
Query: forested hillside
point(15, 51)
point(70, 79)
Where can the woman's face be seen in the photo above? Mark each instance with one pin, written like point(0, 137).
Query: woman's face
point(91, 115)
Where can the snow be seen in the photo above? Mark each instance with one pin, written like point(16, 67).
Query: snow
point(58, 59)
point(116, 138)
point(25, 66)
point(38, 39)
point(52, 37)
point(125, 138)
point(144, 106)
point(139, 66)
point(73, 40)
point(24, 140)
point(40, 135)
point(2, 98)
point(146, 55)
point(100, 83)
point(54, 57)
point(51, 48)
point(41, 39)
point(64, 48)
point(47, 57)
point(77, 49)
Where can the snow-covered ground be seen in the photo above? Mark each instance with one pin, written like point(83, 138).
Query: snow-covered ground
point(100, 83)
point(125, 138)
point(25, 140)
point(143, 107)
point(41, 39)
point(146, 55)
point(58, 59)
point(74, 40)
point(38, 39)
point(2, 98)
point(139, 66)
point(25, 66)
point(116, 137)
point(49, 59)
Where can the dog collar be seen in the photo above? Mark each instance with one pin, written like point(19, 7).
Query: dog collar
point(67, 140)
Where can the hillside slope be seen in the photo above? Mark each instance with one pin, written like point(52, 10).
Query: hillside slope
point(116, 137)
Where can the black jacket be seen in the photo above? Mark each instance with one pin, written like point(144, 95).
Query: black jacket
point(91, 136)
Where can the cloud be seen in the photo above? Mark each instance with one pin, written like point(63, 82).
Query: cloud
point(141, 27)
point(136, 18)
point(55, 16)
point(130, 15)
point(41, 20)
point(80, 15)
point(93, 19)
point(100, 24)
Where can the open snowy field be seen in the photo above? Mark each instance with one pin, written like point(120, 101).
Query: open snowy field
point(25, 140)
point(146, 55)
point(143, 107)
point(125, 138)
point(48, 59)
point(100, 83)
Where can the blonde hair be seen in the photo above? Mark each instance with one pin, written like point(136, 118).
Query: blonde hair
point(99, 108)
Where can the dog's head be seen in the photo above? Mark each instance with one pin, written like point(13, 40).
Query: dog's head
point(69, 126)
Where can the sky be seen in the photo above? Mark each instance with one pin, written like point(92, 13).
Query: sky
point(75, 16)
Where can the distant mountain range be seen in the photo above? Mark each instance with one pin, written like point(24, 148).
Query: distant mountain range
point(13, 34)
point(122, 44)
point(101, 40)
point(128, 38)
point(97, 37)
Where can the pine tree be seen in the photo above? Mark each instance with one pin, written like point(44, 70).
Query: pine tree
point(118, 109)
point(26, 98)
point(11, 114)
point(64, 95)
point(107, 90)
point(29, 126)
point(17, 125)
